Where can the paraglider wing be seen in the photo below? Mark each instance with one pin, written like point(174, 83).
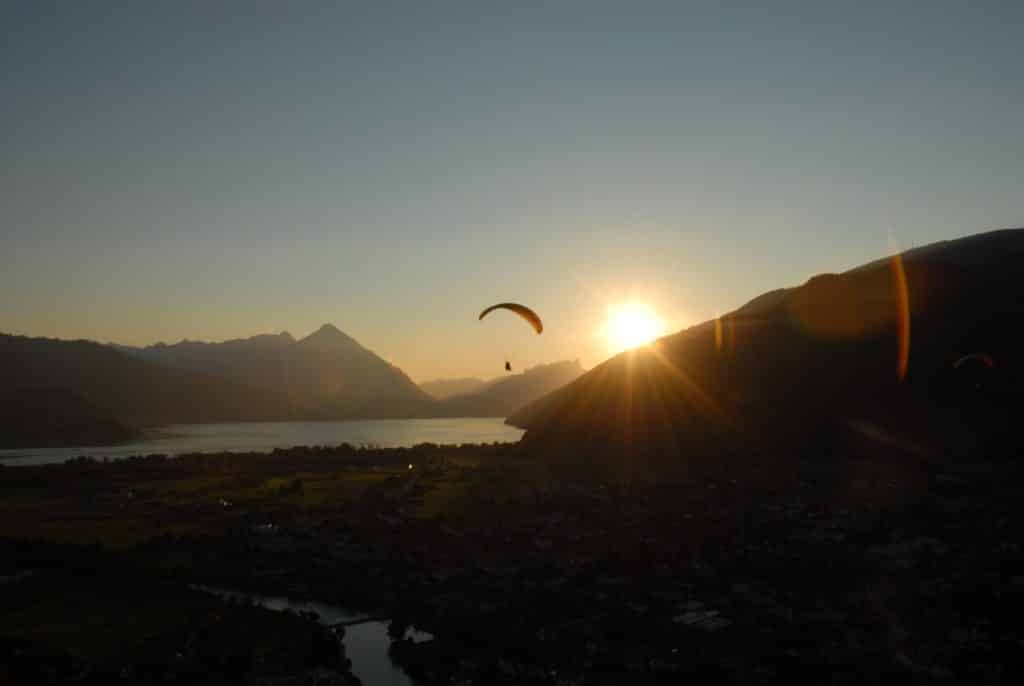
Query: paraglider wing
point(522, 310)
point(979, 357)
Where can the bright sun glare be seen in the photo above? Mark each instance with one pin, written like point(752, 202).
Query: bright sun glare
point(632, 324)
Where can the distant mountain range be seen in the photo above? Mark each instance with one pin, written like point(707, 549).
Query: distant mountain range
point(504, 395)
point(864, 356)
point(94, 393)
point(326, 375)
point(126, 388)
point(446, 388)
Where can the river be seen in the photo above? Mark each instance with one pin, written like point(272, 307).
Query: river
point(266, 436)
point(366, 643)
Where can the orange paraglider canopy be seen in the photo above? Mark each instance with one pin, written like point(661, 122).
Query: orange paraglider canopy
point(522, 310)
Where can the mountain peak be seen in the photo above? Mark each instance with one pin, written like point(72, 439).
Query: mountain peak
point(329, 335)
point(328, 329)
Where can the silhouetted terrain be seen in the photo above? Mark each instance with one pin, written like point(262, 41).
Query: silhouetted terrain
point(256, 361)
point(326, 375)
point(331, 375)
point(815, 366)
point(832, 539)
point(130, 390)
point(502, 396)
point(41, 417)
point(443, 389)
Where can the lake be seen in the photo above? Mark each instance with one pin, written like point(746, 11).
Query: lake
point(266, 436)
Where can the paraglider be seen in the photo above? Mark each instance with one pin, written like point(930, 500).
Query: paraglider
point(522, 310)
point(974, 359)
point(975, 371)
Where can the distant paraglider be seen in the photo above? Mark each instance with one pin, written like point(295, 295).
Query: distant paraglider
point(523, 311)
point(975, 371)
point(975, 359)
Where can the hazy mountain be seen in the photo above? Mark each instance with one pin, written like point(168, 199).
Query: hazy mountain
point(256, 361)
point(446, 388)
point(47, 417)
point(327, 375)
point(130, 390)
point(814, 365)
point(505, 395)
point(330, 375)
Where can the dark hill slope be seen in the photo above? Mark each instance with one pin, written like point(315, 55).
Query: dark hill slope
point(808, 366)
point(132, 391)
point(48, 417)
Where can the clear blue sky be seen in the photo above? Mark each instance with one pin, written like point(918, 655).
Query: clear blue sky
point(215, 170)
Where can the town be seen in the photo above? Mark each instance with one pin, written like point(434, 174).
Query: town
point(852, 569)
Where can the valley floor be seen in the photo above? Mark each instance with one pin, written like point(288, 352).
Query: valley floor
point(839, 570)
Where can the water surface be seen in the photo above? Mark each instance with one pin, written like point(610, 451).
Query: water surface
point(266, 436)
point(366, 643)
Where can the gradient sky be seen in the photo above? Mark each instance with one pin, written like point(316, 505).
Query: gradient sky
point(213, 170)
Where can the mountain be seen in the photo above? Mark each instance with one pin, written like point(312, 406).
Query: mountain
point(132, 391)
point(257, 361)
point(503, 396)
point(446, 388)
point(53, 417)
point(817, 367)
point(327, 375)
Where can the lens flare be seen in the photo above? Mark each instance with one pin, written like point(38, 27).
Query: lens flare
point(902, 317)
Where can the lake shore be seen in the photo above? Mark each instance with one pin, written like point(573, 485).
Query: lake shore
point(252, 437)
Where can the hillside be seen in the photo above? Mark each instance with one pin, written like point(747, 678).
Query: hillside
point(503, 396)
point(327, 375)
point(47, 417)
point(815, 366)
point(132, 391)
point(257, 361)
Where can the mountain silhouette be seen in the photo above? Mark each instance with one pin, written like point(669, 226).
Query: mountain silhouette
point(504, 395)
point(103, 393)
point(52, 417)
point(326, 375)
point(258, 361)
point(829, 364)
point(132, 391)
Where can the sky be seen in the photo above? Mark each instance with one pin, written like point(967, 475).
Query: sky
point(217, 170)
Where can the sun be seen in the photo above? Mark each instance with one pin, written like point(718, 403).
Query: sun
point(632, 324)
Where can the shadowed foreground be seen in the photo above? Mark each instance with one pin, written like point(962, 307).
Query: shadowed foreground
point(856, 569)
